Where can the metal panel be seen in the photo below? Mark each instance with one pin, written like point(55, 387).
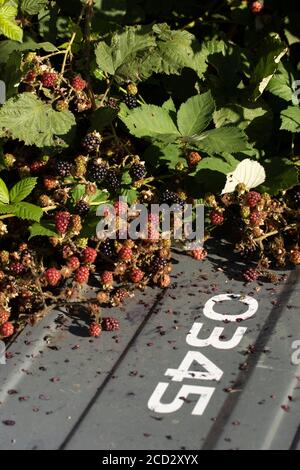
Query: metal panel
point(93, 394)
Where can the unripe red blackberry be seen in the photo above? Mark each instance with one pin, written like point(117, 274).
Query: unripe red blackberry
point(165, 281)
point(193, 158)
point(37, 166)
point(216, 218)
point(251, 275)
point(107, 278)
point(82, 275)
point(95, 330)
point(74, 263)
point(89, 255)
point(125, 254)
point(17, 268)
point(4, 316)
point(110, 324)
point(136, 275)
point(253, 198)
point(78, 83)
point(49, 79)
point(199, 254)
point(256, 7)
point(53, 276)
point(50, 182)
point(30, 76)
point(7, 330)
point(255, 218)
point(295, 257)
point(62, 221)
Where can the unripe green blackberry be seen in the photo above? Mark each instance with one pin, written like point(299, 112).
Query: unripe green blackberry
point(81, 242)
point(61, 105)
point(4, 257)
point(9, 160)
point(81, 166)
point(132, 89)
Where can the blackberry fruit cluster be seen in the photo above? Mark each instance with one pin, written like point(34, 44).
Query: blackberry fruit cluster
point(113, 180)
point(158, 264)
point(63, 168)
point(294, 197)
point(137, 171)
point(170, 198)
point(97, 172)
point(92, 142)
point(107, 248)
point(82, 208)
point(130, 101)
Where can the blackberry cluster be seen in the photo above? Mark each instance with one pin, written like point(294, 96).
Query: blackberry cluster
point(82, 208)
point(107, 248)
point(92, 142)
point(137, 171)
point(63, 168)
point(113, 180)
point(130, 101)
point(294, 197)
point(170, 198)
point(97, 172)
point(158, 264)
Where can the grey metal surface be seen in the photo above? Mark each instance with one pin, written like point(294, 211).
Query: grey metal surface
point(78, 393)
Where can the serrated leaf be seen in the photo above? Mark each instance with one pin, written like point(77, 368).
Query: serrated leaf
point(8, 25)
point(29, 119)
point(102, 118)
point(6, 209)
point(220, 140)
point(281, 84)
point(281, 175)
point(126, 178)
point(149, 121)
point(4, 193)
point(27, 211)
point(33, 7)
point(38, 230)
point(104, 58)
point(28, 44)
point(169, 155)
point(215, 164)
point(78, 192)
point(290, 119)
point(22, 189)
point(195, 115)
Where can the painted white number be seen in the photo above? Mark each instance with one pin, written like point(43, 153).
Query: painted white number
point(296, 354)
point(214, 339)
point(209, 311)
point(155, 404)
point(183, 372)
point(2, 353)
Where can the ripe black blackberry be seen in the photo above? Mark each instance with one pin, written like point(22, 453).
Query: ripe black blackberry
point(170, 198)
point(97, 172)
point(294, 197)
point(82, 208)
point(113, 180)
point(137, 171)
point(158, 264)
point(130, 101)
point(92, 142)
point(107, 248)
point(62, 168)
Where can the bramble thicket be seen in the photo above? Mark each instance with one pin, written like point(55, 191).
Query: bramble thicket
point(156, 101)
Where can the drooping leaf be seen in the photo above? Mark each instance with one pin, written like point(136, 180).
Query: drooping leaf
point(41, 230)
point(8, 25)
point(195, 115)
point(4, 193)
point(290, 119)
point(22, 189)
point(150, 121)
point(29, 119)
point(27, 211)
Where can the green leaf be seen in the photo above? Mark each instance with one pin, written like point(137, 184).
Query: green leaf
point(216, 164)
point(27, 211)
point(99, 197)
point(8, 25)
point(126, 178)
point(170, 155)
point(149, 121)
point(281, 175)
point(281, 84)
point(6, 209)
point(29, 119)
point(271, 54)
point(224, 139)
point(104, 58)
point(39, 230)
point(130, 194)
point(4, 193)
point(22, 189)
point(290, 119)
point(33, 7)
point(28, 44)
point(102, 118)
point(195, 115)
point(78, 192)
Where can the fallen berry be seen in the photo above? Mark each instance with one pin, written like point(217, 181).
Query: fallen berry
point(110, 324)
point(251, 275)
point(95, 330)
